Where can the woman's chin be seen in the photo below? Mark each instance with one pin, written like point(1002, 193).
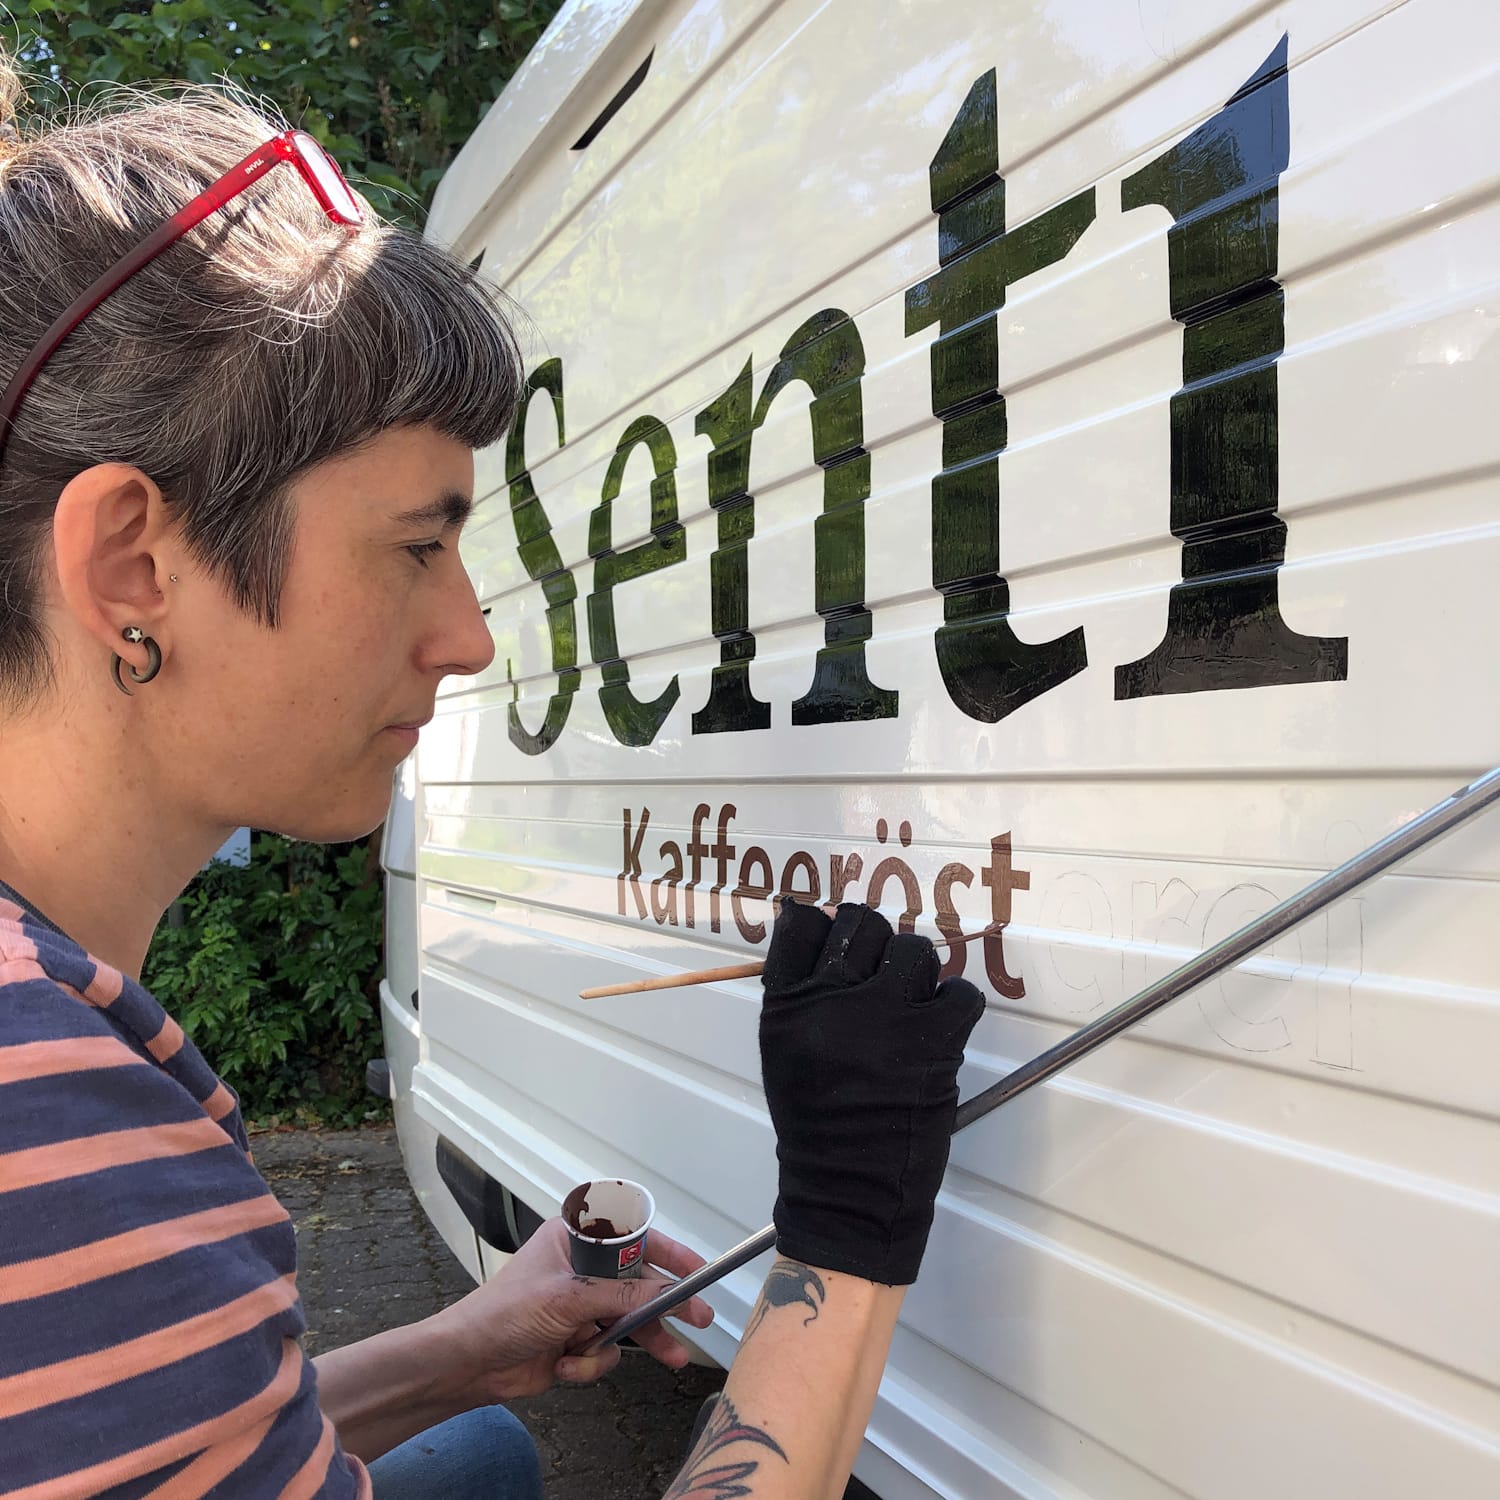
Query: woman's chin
point(330, 825)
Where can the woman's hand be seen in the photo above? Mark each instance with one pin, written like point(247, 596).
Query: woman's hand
point(516, 1329)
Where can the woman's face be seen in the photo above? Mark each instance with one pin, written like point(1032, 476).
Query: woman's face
point(298, 729)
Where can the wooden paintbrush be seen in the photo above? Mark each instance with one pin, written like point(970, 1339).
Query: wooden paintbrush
point(729, 971)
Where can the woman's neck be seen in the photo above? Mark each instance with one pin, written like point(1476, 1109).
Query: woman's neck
point(89, 837)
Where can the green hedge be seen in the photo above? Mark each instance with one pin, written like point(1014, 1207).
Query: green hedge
point(274, 971)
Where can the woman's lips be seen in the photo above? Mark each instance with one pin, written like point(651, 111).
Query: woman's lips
point(407, 733)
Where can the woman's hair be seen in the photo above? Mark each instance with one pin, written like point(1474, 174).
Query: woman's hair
point(266, 340)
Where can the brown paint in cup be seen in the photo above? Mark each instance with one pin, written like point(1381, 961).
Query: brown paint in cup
point(607, 1219)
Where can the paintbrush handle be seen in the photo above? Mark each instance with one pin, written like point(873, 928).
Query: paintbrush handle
point(674, 981)
point(715, 976)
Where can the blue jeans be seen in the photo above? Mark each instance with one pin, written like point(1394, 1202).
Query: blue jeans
point(483, 1453)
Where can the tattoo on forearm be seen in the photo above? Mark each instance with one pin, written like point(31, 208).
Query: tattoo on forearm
point(705, 1476)
point(789, 1284)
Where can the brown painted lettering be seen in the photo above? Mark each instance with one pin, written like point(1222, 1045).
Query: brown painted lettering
point(723, 852)
point(697, 852)
point(630, 872)
point(803, 861)
point(757, 890)
point(947, 916)
point(842, 873)
point(664, 909)
point(893, 867)
point(1002, 878)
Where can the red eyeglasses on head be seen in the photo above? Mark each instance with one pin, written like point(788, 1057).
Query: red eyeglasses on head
point(316, 168)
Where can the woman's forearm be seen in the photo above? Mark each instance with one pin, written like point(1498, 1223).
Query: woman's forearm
point(791, 1416)
point(385, 1389)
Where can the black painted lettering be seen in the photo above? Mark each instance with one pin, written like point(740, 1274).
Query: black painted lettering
point(988, 670)
point(827, 354)
point(631, 720)
point(543, 563)
point(1222, 188)
point(731, 705)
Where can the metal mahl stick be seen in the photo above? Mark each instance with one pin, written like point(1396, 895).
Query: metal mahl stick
point(1405, 841)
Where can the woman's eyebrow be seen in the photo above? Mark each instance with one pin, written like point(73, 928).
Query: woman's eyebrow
point(449, 509)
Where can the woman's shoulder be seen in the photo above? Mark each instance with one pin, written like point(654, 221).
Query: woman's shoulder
point(75, 1015)
point(48, 980)
point(50, 986)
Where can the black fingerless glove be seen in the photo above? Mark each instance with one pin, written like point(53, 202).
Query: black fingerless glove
point(860, 1048)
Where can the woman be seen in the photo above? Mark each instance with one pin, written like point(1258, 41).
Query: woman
point(237, 456)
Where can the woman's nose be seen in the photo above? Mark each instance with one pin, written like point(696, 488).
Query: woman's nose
point(463, 646)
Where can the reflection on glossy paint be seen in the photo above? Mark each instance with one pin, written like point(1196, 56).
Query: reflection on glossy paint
point(1224, 626)
point(632, 721)
point(543, 563)
point(1221, 186)
point(988, 670)
point(726, 423)
point(827, 354)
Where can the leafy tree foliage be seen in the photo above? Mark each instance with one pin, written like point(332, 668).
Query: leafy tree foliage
point(391, 87)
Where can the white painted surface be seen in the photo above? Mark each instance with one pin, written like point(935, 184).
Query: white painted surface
point(1251, 1250)
point(402, 1030)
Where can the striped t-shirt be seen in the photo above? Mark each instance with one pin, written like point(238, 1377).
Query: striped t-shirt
point(149, 1317)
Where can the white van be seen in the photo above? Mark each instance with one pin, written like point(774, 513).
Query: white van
point(1032, 463)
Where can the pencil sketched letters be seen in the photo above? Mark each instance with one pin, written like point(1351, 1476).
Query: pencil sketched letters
point(1100, 946)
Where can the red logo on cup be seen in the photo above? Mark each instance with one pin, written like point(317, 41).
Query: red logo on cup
point(631, 1253)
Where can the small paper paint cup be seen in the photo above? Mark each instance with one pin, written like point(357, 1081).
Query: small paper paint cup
point(607, 1220)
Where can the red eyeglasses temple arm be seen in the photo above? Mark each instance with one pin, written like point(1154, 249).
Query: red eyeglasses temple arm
point(189, 216)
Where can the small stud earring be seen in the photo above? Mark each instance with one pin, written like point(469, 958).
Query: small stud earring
point(135, 635)
point(172, 576)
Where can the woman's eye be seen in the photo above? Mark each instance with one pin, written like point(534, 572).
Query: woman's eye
point(423, 550)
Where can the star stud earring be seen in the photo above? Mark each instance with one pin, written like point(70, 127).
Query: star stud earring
point(136, 636)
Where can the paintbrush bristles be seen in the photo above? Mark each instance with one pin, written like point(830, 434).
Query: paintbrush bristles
point(729, 971)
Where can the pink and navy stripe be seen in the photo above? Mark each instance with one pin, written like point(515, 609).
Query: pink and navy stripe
point(149, 1318)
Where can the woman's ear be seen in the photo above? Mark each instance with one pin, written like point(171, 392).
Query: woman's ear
point(112, 544)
